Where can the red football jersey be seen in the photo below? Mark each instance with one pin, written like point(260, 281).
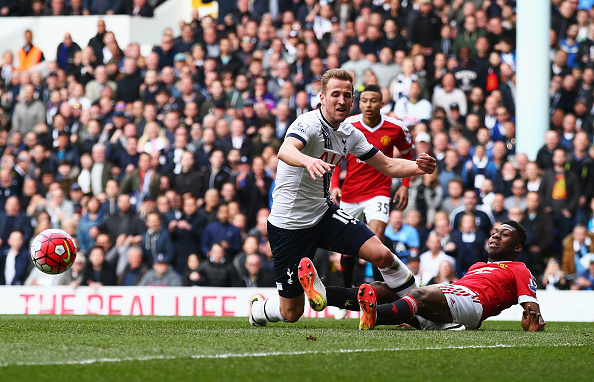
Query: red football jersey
point(362, 181)
point(500, 285)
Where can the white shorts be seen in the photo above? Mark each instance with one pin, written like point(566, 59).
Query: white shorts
point(464, 304)
point(376, 208)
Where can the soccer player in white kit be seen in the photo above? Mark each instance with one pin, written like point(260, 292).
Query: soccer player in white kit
point(303, 217)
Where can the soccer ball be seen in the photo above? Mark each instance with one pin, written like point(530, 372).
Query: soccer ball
point(53, 251)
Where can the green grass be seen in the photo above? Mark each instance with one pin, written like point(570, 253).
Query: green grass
point(108, 348)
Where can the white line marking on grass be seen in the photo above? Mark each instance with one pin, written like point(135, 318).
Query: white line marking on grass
point(269, 354)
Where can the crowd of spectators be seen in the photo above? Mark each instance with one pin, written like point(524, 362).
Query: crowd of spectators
point(162, 166)
point(139, 8)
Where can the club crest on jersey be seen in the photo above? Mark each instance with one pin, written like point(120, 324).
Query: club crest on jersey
point(290, 275)
point(385, 140)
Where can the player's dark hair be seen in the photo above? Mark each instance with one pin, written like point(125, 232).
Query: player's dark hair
point(521, 230)
point(374, 89)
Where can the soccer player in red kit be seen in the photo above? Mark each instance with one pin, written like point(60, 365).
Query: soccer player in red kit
point(485, 291)
point(366, 192)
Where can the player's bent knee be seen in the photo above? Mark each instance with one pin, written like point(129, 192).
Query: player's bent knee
point(385, 258)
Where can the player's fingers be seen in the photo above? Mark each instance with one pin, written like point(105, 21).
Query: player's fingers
point(404, 202)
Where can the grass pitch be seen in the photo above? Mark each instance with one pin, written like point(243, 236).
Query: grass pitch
point(108, 348)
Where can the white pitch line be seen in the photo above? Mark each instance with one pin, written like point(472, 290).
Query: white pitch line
point(271, 354)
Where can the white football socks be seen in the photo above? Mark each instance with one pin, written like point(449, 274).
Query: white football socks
point(398, 274)
point(268, 310)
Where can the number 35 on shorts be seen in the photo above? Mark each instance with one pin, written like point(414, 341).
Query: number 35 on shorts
point(344, 218)
point(382, 207)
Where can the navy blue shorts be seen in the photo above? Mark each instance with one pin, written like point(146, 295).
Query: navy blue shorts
point(336, 232)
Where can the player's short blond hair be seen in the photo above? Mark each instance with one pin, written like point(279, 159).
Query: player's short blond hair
point(339, 74)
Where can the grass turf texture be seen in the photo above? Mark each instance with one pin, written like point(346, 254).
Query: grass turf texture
point(108, 348)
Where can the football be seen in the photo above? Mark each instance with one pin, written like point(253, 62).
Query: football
point(53, 251)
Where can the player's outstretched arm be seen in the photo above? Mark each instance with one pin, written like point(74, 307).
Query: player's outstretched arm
point(290, 153)
point(532, 320)
point(402, 168)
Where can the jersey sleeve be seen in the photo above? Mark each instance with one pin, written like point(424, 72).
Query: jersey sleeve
point(361, 148)
point(525, 284)
point(301, 130)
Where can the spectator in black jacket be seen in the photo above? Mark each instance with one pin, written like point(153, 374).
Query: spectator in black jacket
point(125, 222)
point(255, 276)
point(216, 174)
point(12, 219)
point(216, 271)
point(65, 52)
point(140, 8)
point(99, 272)
point(129, 86)
point(189, 179)
point(186, 233)
point(470, 244)
point(426, 26)
point(135, 269)
point(253, 190)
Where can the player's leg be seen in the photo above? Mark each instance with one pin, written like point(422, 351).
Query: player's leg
point(346, 298)
point(395, 273)
point(288, 246)
point(428, 302)
point(345, 234)
point(377, 213)
point(378, 227)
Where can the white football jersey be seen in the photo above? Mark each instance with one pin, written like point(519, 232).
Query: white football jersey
point(298, 200)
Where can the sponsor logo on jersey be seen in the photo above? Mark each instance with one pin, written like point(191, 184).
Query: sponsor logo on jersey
point(300, 127)
point(481, 271)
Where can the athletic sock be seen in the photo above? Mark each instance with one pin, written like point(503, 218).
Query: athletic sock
point(398, 312)
point(398, 277)
point(268, 310)
point(348, 267)
point(343, 298)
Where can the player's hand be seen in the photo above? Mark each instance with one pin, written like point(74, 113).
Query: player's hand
point(318, 167)
point(426, 163)
point(401, 198)
point(336, 194)
point(532, 321)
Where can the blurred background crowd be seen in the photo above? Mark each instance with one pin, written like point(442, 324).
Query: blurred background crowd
point(162, 165)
